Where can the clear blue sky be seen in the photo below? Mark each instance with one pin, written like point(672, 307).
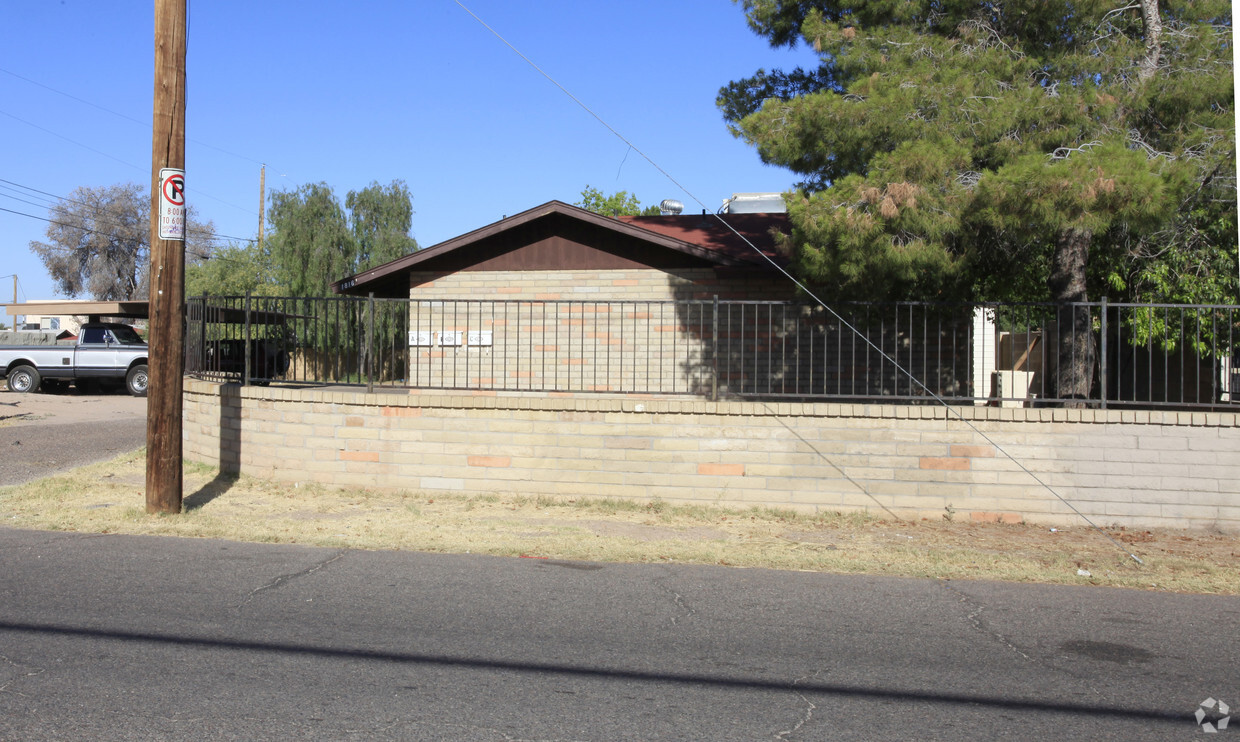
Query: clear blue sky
point(350, 93)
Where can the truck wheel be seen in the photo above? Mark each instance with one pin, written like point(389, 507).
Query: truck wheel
point(136, 380)
point(23, 379)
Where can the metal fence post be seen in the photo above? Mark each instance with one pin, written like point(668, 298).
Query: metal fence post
point(714, 352)
point(1102, 356)
point(370, 344)
point(245, 379)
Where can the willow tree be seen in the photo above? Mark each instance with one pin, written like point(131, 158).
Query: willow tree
point(1030, 149)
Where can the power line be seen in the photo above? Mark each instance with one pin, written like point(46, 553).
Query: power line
point(144, 124)
point(63, 199)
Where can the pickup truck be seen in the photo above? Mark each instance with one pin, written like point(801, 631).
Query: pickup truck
point(104, 352)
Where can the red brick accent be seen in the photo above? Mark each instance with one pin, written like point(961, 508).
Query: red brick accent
point(402, 412)
point(493, 461)
point(726, 470)
point(945, 463)
point(974, 452)
point(359, 456)
point(624, 282)
point(1009, 518)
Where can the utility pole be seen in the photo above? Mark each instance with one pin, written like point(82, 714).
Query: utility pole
point(262, 199)
point(167, 300)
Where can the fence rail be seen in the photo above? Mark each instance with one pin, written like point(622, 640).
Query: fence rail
point(1134, 355)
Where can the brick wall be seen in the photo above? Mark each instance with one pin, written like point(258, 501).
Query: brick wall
point(616, 331)
point(1117, 467)
point(597, 330)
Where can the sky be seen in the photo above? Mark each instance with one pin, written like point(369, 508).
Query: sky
point(350, 93)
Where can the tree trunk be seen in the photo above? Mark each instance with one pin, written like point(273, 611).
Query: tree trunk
point(1151, 23)
point(1077, 349)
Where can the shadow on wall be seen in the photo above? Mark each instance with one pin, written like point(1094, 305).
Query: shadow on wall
point(230, 450)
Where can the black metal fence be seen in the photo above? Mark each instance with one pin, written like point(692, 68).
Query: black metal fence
point(1134, 355)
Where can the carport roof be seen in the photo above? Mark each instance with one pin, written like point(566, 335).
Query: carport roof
point(86, 308)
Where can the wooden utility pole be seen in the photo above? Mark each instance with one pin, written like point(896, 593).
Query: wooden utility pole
point(262, 199)
point(167, 300)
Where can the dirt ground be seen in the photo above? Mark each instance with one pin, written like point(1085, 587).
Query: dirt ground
point(41, 434)
point(68, 406)
point(109, 497)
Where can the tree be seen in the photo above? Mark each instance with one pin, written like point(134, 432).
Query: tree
point(315, 241)
point(98, 242)
point(234, 270)
point(1021, 150)
point(620, 203)
point(310, 244)
point(380, 219)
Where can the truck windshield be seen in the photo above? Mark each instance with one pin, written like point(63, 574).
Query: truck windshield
point(125, 335)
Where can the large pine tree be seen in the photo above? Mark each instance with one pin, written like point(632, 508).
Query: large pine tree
point(1020, 150)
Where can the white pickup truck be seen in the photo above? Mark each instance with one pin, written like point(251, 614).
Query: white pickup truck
point(104, 352)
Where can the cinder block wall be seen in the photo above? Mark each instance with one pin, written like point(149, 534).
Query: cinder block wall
point(1137, 469)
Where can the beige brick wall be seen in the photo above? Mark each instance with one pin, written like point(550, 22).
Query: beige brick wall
point(591, 330)
point(1136, 469)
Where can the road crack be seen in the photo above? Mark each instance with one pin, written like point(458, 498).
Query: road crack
point(679, 600)
point(24, 671)
point(974, 617)
point(282, 579)
point(810, 707)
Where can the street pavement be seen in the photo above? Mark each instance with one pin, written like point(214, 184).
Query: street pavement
point(108, 637)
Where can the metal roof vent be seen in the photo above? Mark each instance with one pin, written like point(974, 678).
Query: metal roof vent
point(670, 207)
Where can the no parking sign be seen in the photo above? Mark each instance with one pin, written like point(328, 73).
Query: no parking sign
point(172, 204)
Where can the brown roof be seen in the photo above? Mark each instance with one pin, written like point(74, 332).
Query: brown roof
point(746, 237)
point(557, 236)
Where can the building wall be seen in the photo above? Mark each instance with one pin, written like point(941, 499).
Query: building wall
point(595, 330)
point(619, 331)
point(1131, 468)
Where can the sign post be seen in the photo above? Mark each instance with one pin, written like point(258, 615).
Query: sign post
point(167, 300)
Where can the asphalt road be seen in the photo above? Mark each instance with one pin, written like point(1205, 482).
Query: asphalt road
point(138, 638)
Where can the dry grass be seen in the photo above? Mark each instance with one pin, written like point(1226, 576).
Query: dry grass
point(109, 498)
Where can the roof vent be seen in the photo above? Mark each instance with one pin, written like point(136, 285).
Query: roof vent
point(670, 207)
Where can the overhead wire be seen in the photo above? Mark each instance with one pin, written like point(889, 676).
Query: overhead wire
point(87, 147)
point(65, 199)
point(843, 322)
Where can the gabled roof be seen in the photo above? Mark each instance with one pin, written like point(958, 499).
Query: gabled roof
point(557, 236)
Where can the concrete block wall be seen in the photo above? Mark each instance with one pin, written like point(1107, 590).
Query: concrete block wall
point(1137, 469)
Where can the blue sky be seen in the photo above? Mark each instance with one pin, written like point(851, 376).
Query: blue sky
point(353, 92)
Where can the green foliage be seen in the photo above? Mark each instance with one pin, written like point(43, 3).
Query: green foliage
point(234, 270)
point(380, 219)
point(311, 245)
point(946, 149)
point(316, 241)
point(620, 203)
